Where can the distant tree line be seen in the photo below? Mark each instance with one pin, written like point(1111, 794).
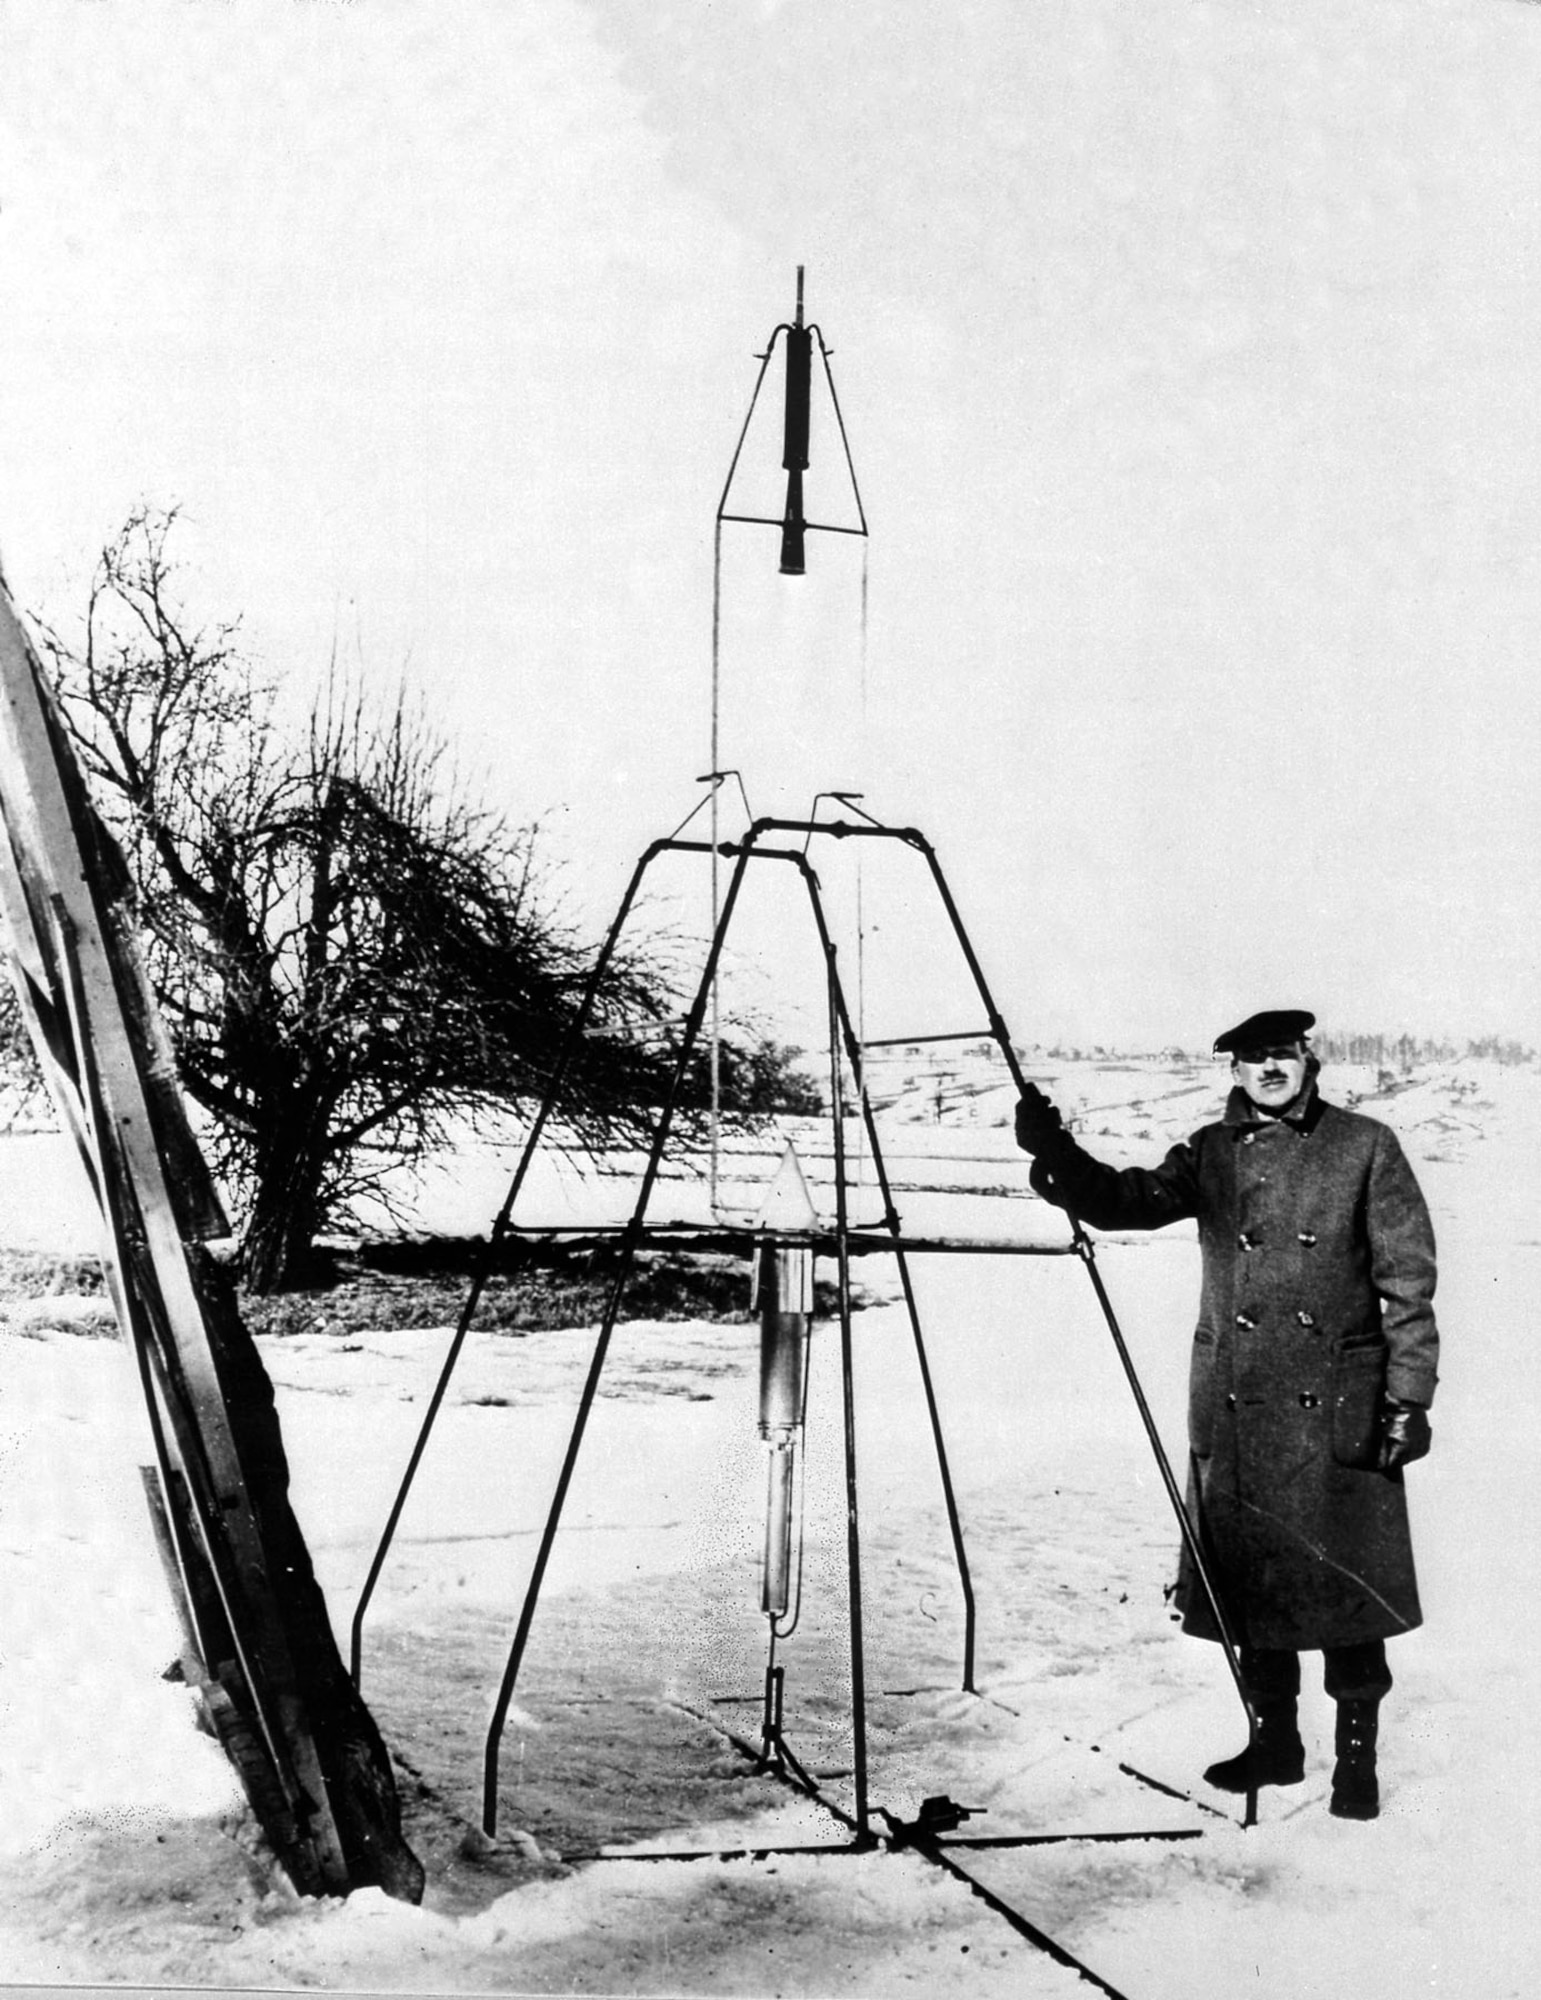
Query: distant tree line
point(1405, 1052)
point(1380, 1051)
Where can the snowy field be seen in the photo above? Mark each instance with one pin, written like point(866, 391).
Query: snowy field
point(125, 1854)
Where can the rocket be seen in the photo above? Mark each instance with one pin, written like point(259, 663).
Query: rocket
point(798, 337)
point(794, 436)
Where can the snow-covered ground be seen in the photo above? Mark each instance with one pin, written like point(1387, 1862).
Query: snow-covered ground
point(124, 1852)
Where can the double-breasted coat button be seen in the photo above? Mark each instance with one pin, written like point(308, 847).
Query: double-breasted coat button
point(1246, 1241)
point(1307, 1238)
point(1245, 1322)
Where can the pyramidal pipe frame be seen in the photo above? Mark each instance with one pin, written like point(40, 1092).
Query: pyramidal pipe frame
point(779, 1345)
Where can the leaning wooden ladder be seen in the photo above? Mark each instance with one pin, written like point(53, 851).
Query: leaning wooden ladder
point(258, 1644)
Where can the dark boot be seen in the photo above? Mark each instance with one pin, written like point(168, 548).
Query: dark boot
point(1355, 1793)
point(1275, 1756)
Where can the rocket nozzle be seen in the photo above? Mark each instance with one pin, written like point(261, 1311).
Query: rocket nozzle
point(793, 529)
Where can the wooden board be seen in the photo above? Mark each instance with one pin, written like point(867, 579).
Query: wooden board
point(278, 1696)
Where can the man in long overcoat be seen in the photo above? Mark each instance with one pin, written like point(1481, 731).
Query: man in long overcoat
point(1314, 1364)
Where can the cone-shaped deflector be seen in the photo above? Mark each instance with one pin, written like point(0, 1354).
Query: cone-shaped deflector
point(788, 1206)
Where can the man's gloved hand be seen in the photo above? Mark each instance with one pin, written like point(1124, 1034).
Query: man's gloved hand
point(1038, 1121)
point(1404, 1434)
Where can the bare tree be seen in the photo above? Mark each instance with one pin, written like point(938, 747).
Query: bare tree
point(23, 1093)
point(347, 949)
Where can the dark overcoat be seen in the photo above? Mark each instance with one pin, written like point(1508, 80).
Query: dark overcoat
point(1318, 1281)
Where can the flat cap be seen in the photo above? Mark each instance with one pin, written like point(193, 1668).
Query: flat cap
point(1279, 1024)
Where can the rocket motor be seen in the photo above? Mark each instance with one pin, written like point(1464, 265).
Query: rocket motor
point(794, 441)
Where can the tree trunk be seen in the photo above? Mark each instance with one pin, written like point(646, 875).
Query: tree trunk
point(278, 1249)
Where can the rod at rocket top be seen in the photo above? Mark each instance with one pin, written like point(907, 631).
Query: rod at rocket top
point(794, 452)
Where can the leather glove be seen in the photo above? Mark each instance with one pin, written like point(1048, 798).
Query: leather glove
point(1039, 1124)
point(1404, 1434)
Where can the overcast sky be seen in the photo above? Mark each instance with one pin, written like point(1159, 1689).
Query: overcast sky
point(1188, 351)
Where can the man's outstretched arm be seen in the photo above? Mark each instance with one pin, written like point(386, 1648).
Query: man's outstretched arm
point(1107, 1197)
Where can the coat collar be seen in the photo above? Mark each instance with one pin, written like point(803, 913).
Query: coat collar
point(1303, 1118)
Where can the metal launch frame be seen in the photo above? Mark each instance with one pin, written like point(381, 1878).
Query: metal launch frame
point(769, 840)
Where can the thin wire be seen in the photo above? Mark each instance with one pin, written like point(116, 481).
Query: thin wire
point(715, 1031)
point(715, 1026)
point(861, 920)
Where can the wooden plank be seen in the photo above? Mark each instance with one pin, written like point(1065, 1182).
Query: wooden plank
point(64, 899)
point(56, 843)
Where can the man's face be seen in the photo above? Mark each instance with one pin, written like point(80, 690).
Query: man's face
point(1273, 1076)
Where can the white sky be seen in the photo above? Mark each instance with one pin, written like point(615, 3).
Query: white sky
point(1188, 353)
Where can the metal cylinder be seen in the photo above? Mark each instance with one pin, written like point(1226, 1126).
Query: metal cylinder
point(783, 1281)
point(794, 434)
point(776, 1575)
point(783, 1294)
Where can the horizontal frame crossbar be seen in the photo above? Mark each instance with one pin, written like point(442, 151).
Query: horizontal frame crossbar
point(914, 1041)
point(824, 1242)
point(768, 521)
